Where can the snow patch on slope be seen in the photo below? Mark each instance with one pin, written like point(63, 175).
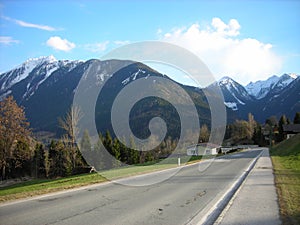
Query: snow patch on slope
point(124, 82)
point(231, 105)
point(242, 103)
point(133, 76)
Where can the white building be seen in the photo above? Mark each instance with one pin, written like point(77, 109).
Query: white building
point(202, 149)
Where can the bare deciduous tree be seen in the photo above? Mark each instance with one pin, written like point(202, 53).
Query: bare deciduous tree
point(251, 126)
point(204, 133)
point(70, 125)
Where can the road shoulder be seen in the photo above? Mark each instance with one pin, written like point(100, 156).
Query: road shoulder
point(256, 201)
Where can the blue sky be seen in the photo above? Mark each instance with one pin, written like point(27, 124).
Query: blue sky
point(247, 40)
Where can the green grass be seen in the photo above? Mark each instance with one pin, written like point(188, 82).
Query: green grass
point(44, 186)
point(286, 161)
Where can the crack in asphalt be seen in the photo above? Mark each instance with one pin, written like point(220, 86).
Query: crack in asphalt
point(195, 198)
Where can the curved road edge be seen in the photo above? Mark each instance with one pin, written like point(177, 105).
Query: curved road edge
point(213, 212)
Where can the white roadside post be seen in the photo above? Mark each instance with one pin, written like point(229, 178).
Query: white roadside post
point(178, 161)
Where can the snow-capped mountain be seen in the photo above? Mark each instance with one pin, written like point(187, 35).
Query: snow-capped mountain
point(261, 88)
point(274, 96)
point(283, 82)
point(234, 93)
point(285, 100)
point(34, 71)
point(45, 87)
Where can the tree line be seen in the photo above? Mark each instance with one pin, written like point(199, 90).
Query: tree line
point(22, 155)
point(252, 132)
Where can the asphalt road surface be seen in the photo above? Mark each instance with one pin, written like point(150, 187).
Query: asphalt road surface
point(177, 200)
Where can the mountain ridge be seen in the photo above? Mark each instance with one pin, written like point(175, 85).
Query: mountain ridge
point(48, 83)
point(251, 88)
point(259, 89)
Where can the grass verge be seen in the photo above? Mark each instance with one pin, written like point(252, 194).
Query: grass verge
point(286, 162)
point(44, 186)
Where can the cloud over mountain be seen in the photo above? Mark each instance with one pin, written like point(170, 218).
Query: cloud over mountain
point(222, 48)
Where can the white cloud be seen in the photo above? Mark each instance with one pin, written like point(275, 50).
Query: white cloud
point(97, 47)
point(60, 44)
point(30, 25)
point(220, 47)
point(6, 40)
point(121, 42)
point(230, 29)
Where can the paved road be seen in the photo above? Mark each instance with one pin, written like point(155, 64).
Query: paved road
point(175, 201)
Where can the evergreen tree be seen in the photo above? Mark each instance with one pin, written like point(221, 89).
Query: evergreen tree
point(124, 153)
point(39, 161)
point(108, 151)
point(20, 163)
point(297, 118)
point(62, 165)
point(273, 128)
point(134, 155)
point(108, 142)
point(86, 146)
point(52, 150)
point(282, 121)
point(58, 160)
point(116, 152)
point(100, 155)
point(52, 158)
point(149, 156)
point(258, 137)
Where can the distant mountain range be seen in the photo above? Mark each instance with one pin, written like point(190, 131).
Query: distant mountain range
point(260, 89)
point(45, 87)
point(274, 96)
